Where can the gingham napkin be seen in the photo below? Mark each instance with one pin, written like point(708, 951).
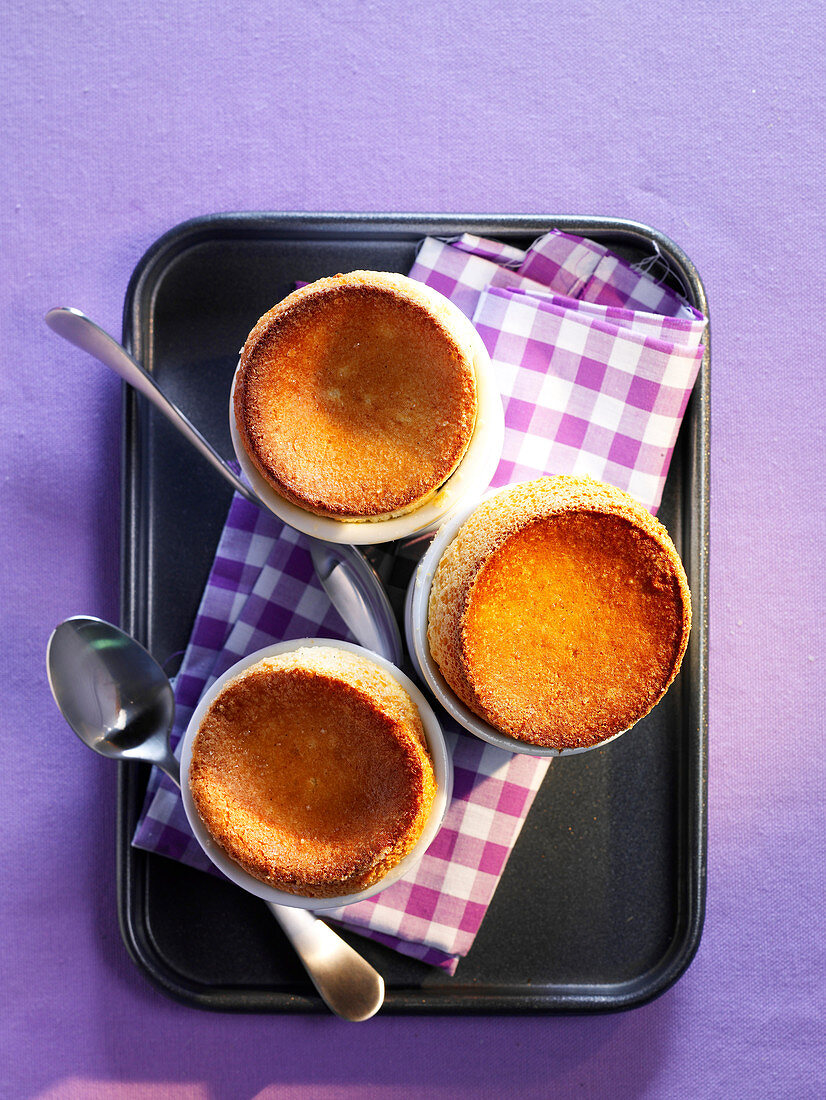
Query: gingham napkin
point(595, 360)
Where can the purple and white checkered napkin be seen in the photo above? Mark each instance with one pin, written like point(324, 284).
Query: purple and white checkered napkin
point(595, 361)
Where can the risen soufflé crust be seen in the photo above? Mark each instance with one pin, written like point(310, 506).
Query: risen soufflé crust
point(355, 397)
point(560, 613)
point(311, 770)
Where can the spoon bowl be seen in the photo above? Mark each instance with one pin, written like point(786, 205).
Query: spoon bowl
point(119, 702)
point(113, 694)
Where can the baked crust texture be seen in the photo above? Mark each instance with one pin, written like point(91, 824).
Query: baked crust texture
point(560, 613)
point(311, 770)
point(355, 397)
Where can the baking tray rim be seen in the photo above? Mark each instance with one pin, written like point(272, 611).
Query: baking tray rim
point(503, 999)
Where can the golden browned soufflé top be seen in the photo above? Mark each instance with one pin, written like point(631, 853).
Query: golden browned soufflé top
point(355, 397)
point(560, 613)
point(311, 770)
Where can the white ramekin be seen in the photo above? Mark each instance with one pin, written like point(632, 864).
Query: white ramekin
point(471, 477)
point(442, 766)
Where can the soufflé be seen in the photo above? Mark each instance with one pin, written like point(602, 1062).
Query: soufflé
point(560, 612)
point(355, 398)
point(311, 770)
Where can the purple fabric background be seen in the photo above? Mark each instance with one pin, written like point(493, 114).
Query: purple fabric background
point(121, 120)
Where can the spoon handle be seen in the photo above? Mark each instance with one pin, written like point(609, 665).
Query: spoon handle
point(346, 982)
point(74, 326)
point(358, 595)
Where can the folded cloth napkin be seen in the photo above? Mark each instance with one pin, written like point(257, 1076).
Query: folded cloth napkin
point(595, 361)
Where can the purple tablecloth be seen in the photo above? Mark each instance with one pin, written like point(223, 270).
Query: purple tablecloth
point(121, 122)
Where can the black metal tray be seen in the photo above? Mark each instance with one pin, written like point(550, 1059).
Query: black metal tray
point(601, 904)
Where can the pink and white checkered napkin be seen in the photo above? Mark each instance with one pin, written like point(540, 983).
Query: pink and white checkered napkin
point(592, 383)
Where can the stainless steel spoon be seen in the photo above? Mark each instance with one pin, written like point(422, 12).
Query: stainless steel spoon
point(119, 702)
point(353, 586)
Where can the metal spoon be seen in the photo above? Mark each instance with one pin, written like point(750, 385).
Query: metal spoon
point(119, 702)
point(353, 586)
